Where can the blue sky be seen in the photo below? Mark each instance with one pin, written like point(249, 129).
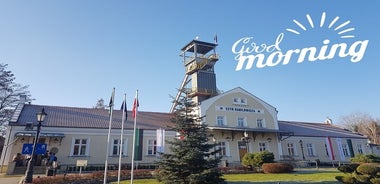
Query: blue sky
point(72, 53)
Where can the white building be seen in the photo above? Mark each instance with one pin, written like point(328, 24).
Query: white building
point(239, 122)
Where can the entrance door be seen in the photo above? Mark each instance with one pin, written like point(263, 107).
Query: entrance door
point(242, 146)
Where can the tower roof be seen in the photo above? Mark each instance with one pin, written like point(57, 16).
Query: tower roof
point(202, 47)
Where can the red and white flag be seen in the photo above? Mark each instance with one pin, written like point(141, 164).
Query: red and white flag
point(329, 148)
point(135, 106)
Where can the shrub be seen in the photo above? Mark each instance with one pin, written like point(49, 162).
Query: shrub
point(248, 159)
point(348, 168)
point(375, 180)
point(360, 174)
point(368, 169)
point(93, 178)
point(257, 159)
point(362, 178)
point(346, 179)
point(277, 168)
point(370, 158)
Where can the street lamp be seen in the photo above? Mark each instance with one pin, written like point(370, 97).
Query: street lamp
point(29, 171)
point(303, 154)
point(246, 139)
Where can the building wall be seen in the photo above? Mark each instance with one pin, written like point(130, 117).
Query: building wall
point(231, 106)
point(95, 153)
point(236, 104)
point(319, 146)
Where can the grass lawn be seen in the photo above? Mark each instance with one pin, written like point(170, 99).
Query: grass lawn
point(321, 176)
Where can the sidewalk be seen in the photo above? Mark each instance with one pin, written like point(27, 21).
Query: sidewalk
point(10, 179)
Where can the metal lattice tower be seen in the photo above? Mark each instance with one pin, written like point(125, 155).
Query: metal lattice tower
point(199, 82)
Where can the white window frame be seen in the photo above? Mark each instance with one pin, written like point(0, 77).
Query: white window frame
point(360, 148)
point(125, 146)
point(151, 147)
point(345, 150)
point(326, 150)
point(263, 146)
point(310, 150)
point(242, 121)
point(87, 146)
point(225, 148)
point(291, 150)
point(221, 119)
point(260, 121)
point(239, 101)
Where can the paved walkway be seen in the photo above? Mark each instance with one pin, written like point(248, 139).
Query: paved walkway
point(10, 179)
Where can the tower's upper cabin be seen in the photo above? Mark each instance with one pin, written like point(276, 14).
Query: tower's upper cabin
point(197, 55)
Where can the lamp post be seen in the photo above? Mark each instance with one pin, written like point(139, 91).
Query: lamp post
point(214, 140)
point(303, 154)
point(29, 171)
point(246, 140)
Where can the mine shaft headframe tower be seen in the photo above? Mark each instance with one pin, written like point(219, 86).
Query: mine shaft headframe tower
point(199, 82)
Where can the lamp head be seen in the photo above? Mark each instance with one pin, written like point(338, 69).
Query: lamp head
point(41, 115)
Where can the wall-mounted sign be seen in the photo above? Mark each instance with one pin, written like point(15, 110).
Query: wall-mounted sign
point(238, 109)
point(27, 148)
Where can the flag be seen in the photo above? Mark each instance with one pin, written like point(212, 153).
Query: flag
point(340, 149)
point(350, 148)
point(110, 105)
point(135, 106)
point(138, 144)
point(329, 148)
point(160, 143)
point(124, 109)
point(111, 99)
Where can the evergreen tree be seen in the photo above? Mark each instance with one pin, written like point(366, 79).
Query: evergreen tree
point(191, 160)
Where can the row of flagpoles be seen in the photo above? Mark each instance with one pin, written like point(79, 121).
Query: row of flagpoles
point(124, 118)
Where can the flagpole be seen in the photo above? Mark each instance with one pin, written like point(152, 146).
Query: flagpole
point(108, 137)
point(124, 108)
point(134, 114)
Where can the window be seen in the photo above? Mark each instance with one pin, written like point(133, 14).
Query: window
point(291, 149)
point(242, 122)
point(327, 150)
point(310, 149)
point(224, 150)
point(152, 147)
point(220, 121)
point(80, 147)
point(116, 147)
point(262, 146)
point(260, 123)
point(240, 101)
point(345, 150)
point(360, 149)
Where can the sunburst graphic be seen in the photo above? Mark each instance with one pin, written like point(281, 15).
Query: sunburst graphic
point(342, 31)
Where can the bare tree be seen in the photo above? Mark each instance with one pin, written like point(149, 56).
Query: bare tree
point(363, 123)
point(10, 93)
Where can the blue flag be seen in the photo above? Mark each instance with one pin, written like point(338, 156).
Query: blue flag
point(124, 108)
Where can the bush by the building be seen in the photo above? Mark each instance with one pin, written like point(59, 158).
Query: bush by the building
point(277, 168)
point(366, 173)
point(350, 168)
point(257, 159)
point(362, 158)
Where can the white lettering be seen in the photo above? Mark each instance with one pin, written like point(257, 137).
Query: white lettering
point(247, 52)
